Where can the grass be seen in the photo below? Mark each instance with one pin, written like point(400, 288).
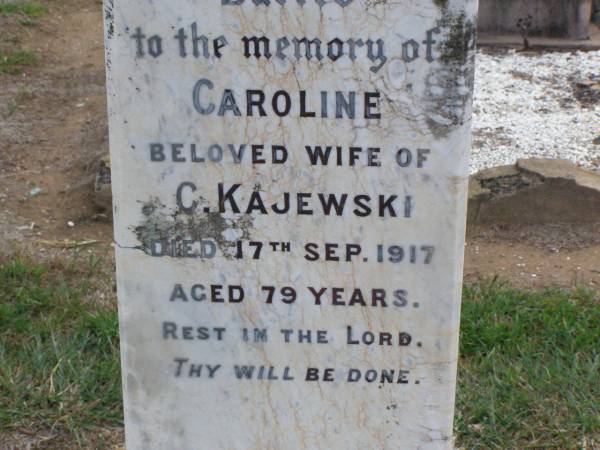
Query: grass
point(31, 10)
point(27, 22)
point(11, 108)
point(59, 363)
point(529, 375)
point(14, 61)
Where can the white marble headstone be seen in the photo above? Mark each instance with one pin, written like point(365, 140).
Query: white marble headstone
point(289, 182)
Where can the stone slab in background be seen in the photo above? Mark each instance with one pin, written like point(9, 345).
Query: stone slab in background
point(550, 18)
point(534, 191)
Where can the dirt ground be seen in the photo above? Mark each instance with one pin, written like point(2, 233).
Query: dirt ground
point(53, 133)
point(53, 125)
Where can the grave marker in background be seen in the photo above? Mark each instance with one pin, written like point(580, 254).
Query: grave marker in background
point(289, 183)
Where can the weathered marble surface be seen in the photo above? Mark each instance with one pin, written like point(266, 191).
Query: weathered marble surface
point(424, 104)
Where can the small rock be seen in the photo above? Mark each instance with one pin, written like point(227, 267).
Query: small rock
point(35, 192)
point(70, 224)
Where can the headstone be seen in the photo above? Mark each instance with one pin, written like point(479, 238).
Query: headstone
point(289, 181)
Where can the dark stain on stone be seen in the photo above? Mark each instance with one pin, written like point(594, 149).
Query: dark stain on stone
point(461, 39)
point(110, 28)
point(449, 84)
point(110, 18)
point(161, 224)
point(511, 184)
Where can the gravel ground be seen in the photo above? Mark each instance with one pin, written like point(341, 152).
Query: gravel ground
point(536, 105)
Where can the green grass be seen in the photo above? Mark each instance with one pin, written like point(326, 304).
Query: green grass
point(27, 22)
point(529, 375)
point(31, 10)
point(11, 108)
point(59, 364)
point(13, 62)
point(530, 370)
